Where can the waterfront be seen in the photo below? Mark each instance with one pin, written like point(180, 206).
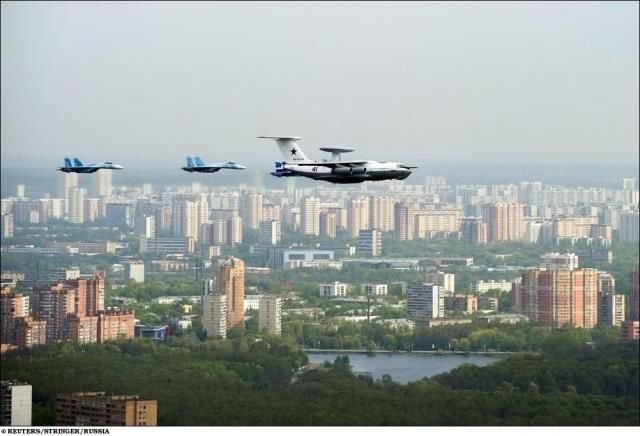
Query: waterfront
point(404, 367)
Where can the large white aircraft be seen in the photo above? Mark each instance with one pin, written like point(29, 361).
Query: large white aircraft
point(336, 170)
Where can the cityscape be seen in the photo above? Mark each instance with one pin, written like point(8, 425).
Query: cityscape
point(262, 263)
point(490, 290)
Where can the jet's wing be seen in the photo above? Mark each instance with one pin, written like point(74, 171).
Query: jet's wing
point(343, 163)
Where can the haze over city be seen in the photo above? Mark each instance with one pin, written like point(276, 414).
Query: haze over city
point(142, 83)
point(167, 261)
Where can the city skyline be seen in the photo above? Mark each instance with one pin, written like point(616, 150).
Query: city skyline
point(443, 83)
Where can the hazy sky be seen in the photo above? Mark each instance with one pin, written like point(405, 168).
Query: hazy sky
point(439, 82)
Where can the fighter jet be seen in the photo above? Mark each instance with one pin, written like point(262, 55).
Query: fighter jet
point(76, 166)
point(196, 165)
point(335, 170)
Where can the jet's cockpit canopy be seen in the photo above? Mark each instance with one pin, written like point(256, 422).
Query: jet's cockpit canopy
point(336, 151)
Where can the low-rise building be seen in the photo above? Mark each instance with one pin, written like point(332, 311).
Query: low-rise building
point(630, 330)
point(335, 289)
point(374, 289)
point(462, 303)
point(99, 409)
point(478, 287)
point(156, 333)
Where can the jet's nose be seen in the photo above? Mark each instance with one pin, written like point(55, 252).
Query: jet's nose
point(117, 167)
point(241, 167)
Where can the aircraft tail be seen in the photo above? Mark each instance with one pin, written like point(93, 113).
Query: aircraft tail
point(67, 162)
point(291, 152)
point(77, 162)
point(198, 161)
point(190, 162)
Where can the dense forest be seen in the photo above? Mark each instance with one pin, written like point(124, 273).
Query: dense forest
point(239, 382)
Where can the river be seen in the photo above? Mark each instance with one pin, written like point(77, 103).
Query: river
point(405, 367)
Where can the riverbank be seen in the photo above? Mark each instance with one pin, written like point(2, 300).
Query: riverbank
point(435, 353)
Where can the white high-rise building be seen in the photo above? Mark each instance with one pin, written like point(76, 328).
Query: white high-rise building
point(76, 205)
point(20, 191)
point(101, 183)
point(310, 216)
point(7, 225)
point(214, 315)
point(424, 301)
point(15, 398)
point(270, 314)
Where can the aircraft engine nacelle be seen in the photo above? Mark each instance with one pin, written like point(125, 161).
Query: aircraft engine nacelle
point(345, 171)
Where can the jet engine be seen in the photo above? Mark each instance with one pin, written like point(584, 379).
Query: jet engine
point(346, 171)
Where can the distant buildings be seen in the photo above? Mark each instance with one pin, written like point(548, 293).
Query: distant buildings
point(270, 314)
point(251, 211)
point(478, 287)
point(335, 289)
point(630, 330)
point(223, 303)
point(504, 221)
point(99, 409)
point(69, 310)
point(135, 270)
point(370, 242)
point(12, 307)
point(634, 297)
point(374, 289)
point(214, 315)
point(425, 301)
point(156, 333)
point(559, 261)
point(230, 282)
point(403, 215)
point(7, 225)
point(310, 216)
point(445, 281)
point(611, 309)
point(270, 232)
point(629, 224)
point(15, 403)
point(555, 298)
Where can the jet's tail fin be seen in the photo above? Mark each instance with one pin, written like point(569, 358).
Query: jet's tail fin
point(291, 152)
point(198, 161)
point(77, 162)
point(190, 162)
point(67, 162)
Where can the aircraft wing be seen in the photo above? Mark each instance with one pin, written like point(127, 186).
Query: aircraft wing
point(209, 168)
point(343, 163)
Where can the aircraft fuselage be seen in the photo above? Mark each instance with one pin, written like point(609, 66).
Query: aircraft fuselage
point(368, 171)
